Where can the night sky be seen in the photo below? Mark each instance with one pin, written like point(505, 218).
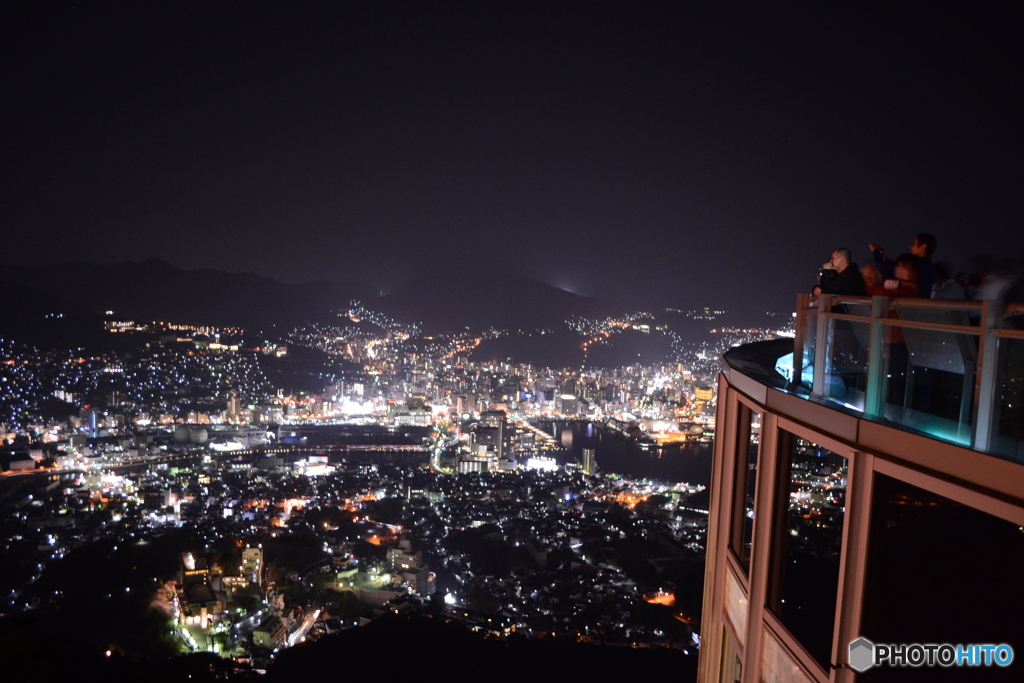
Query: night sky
point(657, 156)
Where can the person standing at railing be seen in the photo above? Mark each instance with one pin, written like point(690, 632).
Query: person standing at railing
point(928, 385)
point(903, 284)
point(992, 278)
point(873, 281)
point(906, 278)
point(923, 248)
point(843, 277)
point(946, 286)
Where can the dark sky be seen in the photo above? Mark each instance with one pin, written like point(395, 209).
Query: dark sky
point(659, 155)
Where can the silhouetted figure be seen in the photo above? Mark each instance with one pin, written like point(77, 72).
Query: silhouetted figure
point(873, 281)
point(844, 276)
point(903, 284)
point(946, 287)
point(923, 247)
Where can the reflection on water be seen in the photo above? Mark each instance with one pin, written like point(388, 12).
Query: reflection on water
point(690, 463)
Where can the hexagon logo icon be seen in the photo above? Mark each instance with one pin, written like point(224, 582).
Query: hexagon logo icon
point(862, 655)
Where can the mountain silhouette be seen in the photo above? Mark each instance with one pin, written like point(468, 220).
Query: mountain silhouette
point(156, 290)
point(456, 299)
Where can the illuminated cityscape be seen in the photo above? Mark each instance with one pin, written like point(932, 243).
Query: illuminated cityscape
point(506, 497)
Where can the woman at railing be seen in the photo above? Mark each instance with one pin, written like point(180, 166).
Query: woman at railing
point(903, 285)
point(874, 283)
point(904, 282)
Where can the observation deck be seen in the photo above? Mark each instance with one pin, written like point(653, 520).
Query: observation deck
point(868, 481)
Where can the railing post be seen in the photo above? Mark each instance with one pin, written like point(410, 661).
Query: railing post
point(803, 301)
point(822, 345)
point(985, 377)
point(874, 392)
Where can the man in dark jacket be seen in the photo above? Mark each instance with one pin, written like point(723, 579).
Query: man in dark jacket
point(845, 278)
point(842, 278)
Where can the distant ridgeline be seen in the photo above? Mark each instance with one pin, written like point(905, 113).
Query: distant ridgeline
point(65, 305)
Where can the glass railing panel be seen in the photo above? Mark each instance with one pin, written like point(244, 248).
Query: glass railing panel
point(927, 373)
point(806, 373)
point(1008, 424)
point(930, 376)
point(847, 365)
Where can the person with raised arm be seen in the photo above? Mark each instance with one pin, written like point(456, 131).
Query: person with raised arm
point(923, 248)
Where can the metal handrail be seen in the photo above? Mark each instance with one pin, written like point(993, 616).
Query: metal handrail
point(848, 316)
point(941, 304)
point(934, 304)
point(924, 325)
point(990, 315)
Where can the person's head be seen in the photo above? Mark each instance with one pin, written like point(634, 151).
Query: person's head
point(907, 268)
point(871, 276)
point(924, 245)
point(841, 258)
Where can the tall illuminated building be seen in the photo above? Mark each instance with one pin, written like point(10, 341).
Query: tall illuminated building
point(252, 564)
point(589, 461)
point(234, 407)
point(489, 444)
point(868, 482)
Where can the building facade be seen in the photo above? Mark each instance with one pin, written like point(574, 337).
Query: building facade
point(868, 486)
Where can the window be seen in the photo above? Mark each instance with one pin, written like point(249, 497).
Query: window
point(748, 442)
point(941, 572)
point(807, 540)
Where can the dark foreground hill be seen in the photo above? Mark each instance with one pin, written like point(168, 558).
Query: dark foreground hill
point(392, 647)
point(418, 646)
point(40, 319)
